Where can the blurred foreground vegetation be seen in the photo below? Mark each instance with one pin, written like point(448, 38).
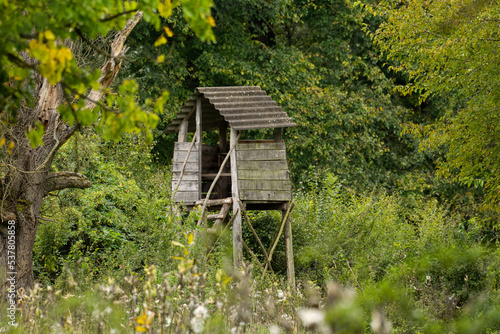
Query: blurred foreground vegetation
point(115, 258)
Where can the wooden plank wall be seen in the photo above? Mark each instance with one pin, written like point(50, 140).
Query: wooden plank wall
point(189, 188)
point(263, 172)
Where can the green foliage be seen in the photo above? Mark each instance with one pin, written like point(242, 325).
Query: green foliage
point(417, 264)
point(37, 28)
point(113, 228)
point(369, 213)
point(450, 48)
point(321, 68)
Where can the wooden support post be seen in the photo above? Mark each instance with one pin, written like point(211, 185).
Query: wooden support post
point(199, 135)
point(222, 190)
point(183, 131)
point(290, 267)
point(277, 135)
point(237, 233)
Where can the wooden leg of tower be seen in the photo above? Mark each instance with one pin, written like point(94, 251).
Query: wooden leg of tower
point(290, 268)
point(237, 234)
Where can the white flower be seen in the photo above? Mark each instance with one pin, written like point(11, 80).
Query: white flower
point(198, 320)
point(197, 325)
point(311, 317)
point(274, 329)
point(379, 324)
point(200, 312)
point(281, 295)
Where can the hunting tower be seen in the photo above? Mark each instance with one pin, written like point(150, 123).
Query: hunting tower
point(256, 176)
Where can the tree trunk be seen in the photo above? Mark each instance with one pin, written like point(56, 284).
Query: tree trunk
point(28, 179)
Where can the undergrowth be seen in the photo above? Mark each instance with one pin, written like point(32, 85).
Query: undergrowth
point(117, 258)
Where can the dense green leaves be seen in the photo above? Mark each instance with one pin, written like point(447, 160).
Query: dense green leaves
point(315, 60)
point(118, 224)
point(63, 38)
point(451, 48)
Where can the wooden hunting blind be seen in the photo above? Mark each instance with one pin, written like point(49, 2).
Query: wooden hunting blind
point(257, 177)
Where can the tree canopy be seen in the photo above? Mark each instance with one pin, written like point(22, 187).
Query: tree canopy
point(59, 41)
point(452, 48)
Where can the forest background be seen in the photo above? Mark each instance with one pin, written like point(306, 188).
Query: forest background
point(394, 164)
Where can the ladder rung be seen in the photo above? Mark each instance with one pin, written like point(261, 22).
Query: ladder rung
point(215, 216)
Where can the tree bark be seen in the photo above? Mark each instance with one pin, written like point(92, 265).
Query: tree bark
point(28, 179)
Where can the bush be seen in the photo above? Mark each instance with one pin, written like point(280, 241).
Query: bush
point(113, 228)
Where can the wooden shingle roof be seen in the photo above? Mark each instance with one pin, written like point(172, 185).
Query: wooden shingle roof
point(243, 107)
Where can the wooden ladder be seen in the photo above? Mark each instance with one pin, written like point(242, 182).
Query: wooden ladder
point(220, 217)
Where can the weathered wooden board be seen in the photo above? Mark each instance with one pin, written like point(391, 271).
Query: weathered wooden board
point(264, 185)
point(263, 174)
point(260, 146)
point(184, 146)
point(186, 197)
point(263, 165)
point(188, 189)
point(186, 177)
point(190, 167)
point(180, 156)
point(186, 185)
point(261, 155)
point(265, 195)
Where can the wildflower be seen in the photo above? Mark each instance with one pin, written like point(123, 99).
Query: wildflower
point(311, 317)
point(198, 320)
point(144, 320)
point(274, 329)
point(379, 324)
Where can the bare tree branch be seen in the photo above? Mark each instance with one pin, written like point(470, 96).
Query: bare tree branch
point(64, 180)
point(112, 17)
point(110, 68)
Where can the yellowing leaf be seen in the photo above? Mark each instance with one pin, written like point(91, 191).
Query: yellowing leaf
point(178, 258)
point(160, 41)
point(211, 21)
point(10, 148)
point(53, 59)
point(141, 319)
point(165, 8)
point(168, 31)
point(49, 35)
point(176, 243)
point(190, 238)
point(185, 266)
point(2, 141)
point(160, 59)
